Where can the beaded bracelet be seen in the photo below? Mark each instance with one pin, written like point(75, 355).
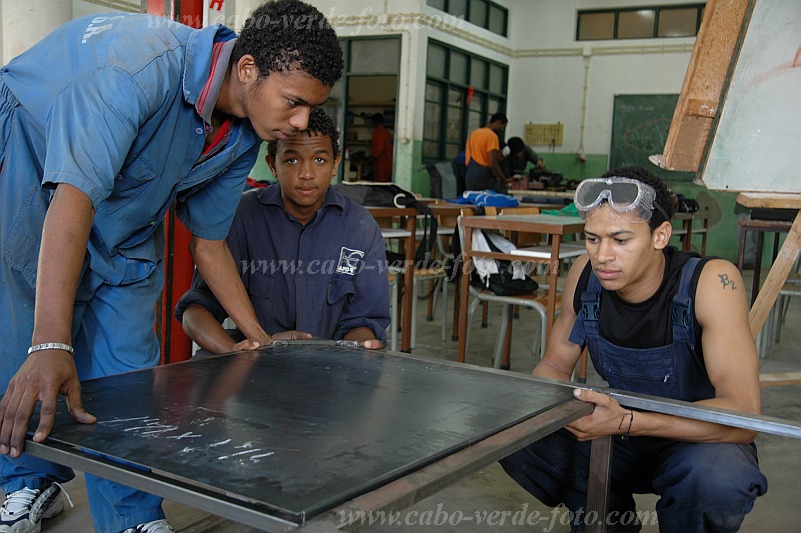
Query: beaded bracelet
point(627, 434)
point(51, 346)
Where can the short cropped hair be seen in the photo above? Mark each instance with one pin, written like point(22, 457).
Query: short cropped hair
point(285, 35)
point(663, 196)
point(516, 145)
point(319, 123)
point(499, 117)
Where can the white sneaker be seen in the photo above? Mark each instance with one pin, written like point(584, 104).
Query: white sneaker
point(156, 526)
point(23, 510)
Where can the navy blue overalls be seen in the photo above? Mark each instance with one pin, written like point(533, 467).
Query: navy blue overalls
point(672, 371)
point(703, 486)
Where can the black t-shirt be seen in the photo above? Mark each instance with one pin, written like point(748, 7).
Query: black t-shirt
point(646, 324)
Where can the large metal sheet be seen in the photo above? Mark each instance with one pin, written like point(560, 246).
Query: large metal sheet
point(299, 429)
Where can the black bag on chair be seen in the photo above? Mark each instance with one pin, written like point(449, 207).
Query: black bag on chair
point(502, 283)
point(686, 205)
point(390, 195)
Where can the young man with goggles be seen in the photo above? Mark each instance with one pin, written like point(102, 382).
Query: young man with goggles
point(656, 321)
point(623, 195)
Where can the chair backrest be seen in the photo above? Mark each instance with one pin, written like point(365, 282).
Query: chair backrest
point(526, 239)
point(442, 178)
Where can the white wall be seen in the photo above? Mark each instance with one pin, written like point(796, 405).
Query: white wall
point(550, 71)
point(552, 77)
point(23, 23)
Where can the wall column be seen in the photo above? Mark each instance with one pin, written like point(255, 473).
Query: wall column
point(23, 23)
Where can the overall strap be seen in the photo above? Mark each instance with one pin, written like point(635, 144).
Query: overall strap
point(682, 307)
point(591, 299)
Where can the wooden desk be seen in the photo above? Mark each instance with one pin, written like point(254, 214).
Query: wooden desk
point(409, 215)
point(688, 231)
point(557, 194)
point(760, 227)
point(521, 195)
point(447, 210)
point(552, 225)
point(784, 261)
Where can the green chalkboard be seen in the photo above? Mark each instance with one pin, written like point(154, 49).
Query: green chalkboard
point(640, 125)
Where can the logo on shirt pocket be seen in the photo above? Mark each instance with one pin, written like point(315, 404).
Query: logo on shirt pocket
point(349, 261)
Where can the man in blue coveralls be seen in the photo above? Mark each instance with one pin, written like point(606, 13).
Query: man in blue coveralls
point(103, 125)
point(312, 261)
point(661, 322)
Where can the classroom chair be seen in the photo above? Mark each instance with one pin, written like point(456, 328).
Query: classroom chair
point(535, 301)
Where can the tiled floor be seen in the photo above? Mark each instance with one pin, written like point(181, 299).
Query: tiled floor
point(475, 498)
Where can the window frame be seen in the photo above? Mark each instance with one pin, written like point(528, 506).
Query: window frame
point(485, 95)
point(699, 7)
point(490, 6)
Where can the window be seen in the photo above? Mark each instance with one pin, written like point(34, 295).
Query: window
point(483, 13)
point(636, 24)
point(679, 22)
point(452, 110)
point(639, 23)
point(368, 86)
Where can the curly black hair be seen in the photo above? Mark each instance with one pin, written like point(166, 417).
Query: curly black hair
point(516, 145)
point(663, 197)
point(320, 123)
point(499, 117)
point(284, 35)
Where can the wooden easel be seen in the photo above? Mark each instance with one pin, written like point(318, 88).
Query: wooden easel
point(777, 276)
point(696, 121)
point(715, 47)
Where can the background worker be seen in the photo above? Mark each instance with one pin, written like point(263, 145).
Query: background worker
point(148, 112)
point(312, 261)
point(516, 157)
point(483, 157)
point(381, 150)
point(661, 322)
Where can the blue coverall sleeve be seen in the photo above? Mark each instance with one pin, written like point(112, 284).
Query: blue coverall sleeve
point(207, 212)
point(200, 293)
point(370, 305)
point(88, 149)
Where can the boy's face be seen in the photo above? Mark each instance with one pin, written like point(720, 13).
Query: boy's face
point(279, 105)
point(304, 166)
point(622, 250)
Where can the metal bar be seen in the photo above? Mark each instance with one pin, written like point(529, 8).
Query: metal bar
point(762, 423)
point(160, 485)
point(414, 487)
point(599, 482)
point(694, 411)
point(765, 424)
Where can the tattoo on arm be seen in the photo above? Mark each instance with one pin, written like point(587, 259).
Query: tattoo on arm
point(725, 281)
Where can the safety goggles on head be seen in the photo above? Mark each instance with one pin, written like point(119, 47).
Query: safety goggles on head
point(624, 195)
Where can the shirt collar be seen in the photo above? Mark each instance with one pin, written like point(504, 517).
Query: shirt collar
point(202, 54)
point(220, 56)
point(271, 195)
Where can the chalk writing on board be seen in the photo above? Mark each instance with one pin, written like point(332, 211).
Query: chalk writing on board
point(151, 427)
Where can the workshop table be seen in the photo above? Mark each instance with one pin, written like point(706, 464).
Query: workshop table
point(687, 230)
point(302, 433)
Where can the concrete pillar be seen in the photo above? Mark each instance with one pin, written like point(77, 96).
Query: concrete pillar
point(240, 12)
point(23, 23)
